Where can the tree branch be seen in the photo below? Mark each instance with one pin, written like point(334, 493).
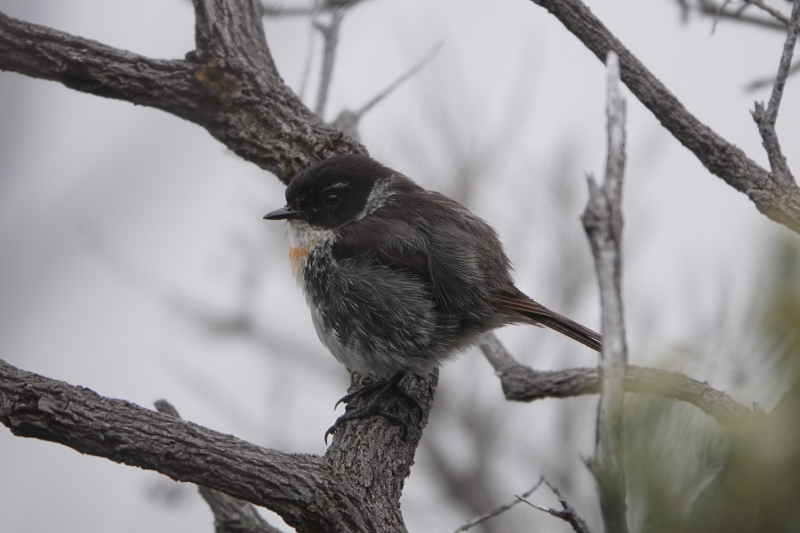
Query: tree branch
point(766, 118)
point(301, 488)
point(348, 121)
point(232, 30)
point(778, 201)
point(230, 515)
point(500, 510)
point(721, 11)
point(310, 493)
point(237, 96)
point(524, 384)
point(566, 513)
point(372, 457)
point(330, 36)
point(602, 221)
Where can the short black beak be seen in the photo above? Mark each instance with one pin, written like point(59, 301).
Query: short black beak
point(283, 213)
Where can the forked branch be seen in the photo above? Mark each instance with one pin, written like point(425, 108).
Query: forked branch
point(778, 200)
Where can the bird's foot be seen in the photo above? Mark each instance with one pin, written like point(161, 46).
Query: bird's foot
point(383, 388)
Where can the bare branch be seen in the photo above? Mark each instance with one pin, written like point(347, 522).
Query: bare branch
point(500, 510)
point(232, 31)
point(602, 221)
point(767, 82)
point(301, 488)
point(720, 11)
point(307, 491)
point(230, 515)
point(766, 118)
point(330, 35)
point(777, 15)
point(496, 353)
point(567, 513)
point(238, 98)
point(524, 384)
point(348, 121)
point(778, 201)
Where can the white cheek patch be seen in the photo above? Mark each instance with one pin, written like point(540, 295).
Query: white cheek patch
point(378, 196)
point(303, 235)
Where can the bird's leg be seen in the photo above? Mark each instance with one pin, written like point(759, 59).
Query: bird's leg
point(373, 407)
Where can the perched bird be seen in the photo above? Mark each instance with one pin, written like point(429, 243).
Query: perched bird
point(398, 278)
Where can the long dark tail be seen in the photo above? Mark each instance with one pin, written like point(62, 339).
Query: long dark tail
point(544, 316)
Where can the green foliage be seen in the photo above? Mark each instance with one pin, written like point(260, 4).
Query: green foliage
point(686, 473)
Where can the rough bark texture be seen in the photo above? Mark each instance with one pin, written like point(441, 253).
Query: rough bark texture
point(355, 488)
point(602, 221)
point(524, 384)
point(228, 85)
point(778, 200)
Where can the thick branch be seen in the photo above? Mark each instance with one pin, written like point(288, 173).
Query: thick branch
point(236, 96)
point(232, 30)
point(230, 515)
point(778, 201)
point(373, 456)
point(303, 489)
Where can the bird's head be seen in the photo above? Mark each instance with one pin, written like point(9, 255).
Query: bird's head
point(336, 191)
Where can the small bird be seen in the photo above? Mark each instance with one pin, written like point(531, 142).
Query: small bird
point(398, 278)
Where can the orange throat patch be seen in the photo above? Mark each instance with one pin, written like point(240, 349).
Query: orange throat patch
point(296, 258)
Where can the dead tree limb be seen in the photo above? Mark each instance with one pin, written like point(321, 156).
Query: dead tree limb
point(767, 117)
point(230, 515)
point(228, 84)
point(348, 490)
point(777, 200)
point(602, 221)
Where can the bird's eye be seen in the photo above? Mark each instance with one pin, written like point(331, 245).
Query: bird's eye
point(332, 200)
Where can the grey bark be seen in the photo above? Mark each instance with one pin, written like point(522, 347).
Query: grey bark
point(355, 487)
point(228, 84)
point(602, 220)
point(778, 200)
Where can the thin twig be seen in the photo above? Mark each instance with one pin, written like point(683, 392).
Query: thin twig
point(348, 121)
point(722, 7)
point(330, 35)
point(602, 220)
point(717, 12)
point(766, 118)
point(768, 9)
point(758, 84)
point(500, 510)
point(567, 513)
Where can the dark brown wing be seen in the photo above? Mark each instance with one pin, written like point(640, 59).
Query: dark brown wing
point(455, 253)
point(544, 316)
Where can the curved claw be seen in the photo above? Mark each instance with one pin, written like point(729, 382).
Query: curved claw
point(373, 407)
point(368, 386)
point(367, 411)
